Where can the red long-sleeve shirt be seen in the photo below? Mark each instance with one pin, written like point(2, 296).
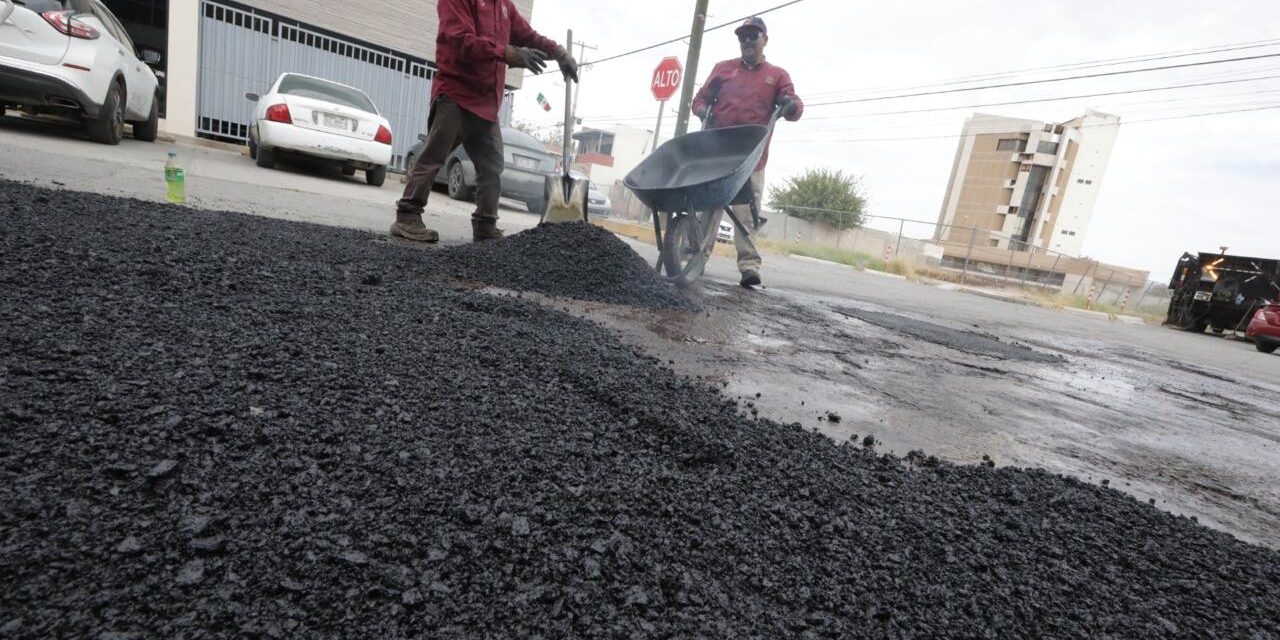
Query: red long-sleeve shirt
point(471, 64)
point(739, 94)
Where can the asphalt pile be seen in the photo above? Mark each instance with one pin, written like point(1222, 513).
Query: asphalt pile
point(217, 425)
point(574, 260)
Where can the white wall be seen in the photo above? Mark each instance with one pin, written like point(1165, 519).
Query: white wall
point(1098, 133)
point(183, 68)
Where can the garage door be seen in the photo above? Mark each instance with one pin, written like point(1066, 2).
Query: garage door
point(243, 50)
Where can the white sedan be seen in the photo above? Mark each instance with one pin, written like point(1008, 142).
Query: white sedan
point(312, 117)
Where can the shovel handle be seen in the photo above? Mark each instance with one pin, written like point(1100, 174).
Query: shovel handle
point(568, 111)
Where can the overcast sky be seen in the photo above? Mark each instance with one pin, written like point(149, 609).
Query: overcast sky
point(1190, 184)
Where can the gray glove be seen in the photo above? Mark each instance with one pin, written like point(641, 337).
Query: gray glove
point(788, 106)
point(569, 67)
point(526, 58)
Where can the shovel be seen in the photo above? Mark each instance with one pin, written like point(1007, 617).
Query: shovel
point(566, 197)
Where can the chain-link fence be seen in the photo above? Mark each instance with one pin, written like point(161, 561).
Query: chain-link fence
point(969, 256)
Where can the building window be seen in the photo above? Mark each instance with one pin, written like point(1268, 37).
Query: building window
point(1047, 147)
point(1088, 182)
point(993, 242)
point(1011, 144)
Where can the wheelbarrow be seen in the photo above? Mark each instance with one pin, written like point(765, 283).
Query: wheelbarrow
point(688, 179)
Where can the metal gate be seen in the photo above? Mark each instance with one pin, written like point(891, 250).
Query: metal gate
point(243, 50)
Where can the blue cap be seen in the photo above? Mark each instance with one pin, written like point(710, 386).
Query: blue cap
point(754, 22)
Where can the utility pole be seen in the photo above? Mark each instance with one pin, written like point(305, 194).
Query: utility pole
point(582, 67)
point(691, 67)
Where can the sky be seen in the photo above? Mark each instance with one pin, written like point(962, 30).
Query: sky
point(1174, 183)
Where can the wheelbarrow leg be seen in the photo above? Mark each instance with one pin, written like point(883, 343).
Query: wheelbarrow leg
point(657, 239)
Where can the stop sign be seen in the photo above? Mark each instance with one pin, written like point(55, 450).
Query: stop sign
point(666, 79)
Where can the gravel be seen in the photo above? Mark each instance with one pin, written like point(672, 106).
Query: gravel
point(213, 426)
point(576, 260)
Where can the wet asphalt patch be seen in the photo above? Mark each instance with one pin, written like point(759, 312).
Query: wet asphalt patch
point(218, 425)
point(971, 342)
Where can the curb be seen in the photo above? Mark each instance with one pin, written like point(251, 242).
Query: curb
point(870, 272)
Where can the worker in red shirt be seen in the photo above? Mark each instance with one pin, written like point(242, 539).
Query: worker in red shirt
point(477, 42)
point(741, 91)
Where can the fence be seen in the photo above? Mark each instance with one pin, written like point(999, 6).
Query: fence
point(965, 255)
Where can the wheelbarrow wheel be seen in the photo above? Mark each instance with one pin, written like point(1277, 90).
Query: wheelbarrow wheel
point(683, 253)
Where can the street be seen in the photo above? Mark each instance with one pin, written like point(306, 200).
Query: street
point(1189, 421)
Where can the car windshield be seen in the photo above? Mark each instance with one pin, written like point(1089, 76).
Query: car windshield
point(324, 90)
point(518, 138)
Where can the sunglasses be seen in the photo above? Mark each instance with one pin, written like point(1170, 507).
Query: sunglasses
point(749, 36)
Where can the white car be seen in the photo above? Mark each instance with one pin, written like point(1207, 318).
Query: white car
point(725, 232)
point(72, 58)
point(313, 117)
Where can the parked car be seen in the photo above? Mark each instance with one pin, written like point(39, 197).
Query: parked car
point(316, 118)
point(1264, 329)
point(527, 165)
point(597, 202)
point(725, 232)
point(71, 58)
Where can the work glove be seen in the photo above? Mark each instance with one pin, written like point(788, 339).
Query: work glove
point(569, 67)
point(788, 106)
point(526, 58)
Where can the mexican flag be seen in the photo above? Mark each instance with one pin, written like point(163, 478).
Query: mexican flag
point(542, 100)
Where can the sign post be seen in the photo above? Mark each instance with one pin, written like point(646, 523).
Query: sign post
point(666, 79)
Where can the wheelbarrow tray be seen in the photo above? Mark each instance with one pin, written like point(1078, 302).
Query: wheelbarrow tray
point(699, 171)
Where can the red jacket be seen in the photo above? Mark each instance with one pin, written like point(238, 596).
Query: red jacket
point(739, 94)
point(471, 66)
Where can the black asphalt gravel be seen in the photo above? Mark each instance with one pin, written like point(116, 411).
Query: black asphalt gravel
point(576, 260)
point(972, 342)
point(216, 425)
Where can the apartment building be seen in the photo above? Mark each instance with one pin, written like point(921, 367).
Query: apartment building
point(1023, 183)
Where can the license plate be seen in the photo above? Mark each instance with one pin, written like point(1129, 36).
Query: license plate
point(1204, 296)
point(337, 122)
point(527, 163)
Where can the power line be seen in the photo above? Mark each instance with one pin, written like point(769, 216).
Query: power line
point(682, 37)
point(1152, 57)
point(1047, 80)
point(1004, 103)
point(1036, 100)
point(1127, 123)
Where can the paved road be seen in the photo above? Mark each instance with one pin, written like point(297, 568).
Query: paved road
point(1190, 421)
point(55, 155)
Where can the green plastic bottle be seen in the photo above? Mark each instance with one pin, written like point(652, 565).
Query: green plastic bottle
point(175, 180)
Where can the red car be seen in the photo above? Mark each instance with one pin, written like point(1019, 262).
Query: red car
point(1265, 328)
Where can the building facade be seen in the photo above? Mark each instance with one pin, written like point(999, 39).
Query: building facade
point(214, 51)
point(1027, 185)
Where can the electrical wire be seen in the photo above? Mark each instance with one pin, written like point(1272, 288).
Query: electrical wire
point(1051, 99)
point(1024, 83)
point(1168, 55)
point(971, 135)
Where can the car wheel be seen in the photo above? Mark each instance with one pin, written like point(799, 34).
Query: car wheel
point(108, 128)
point(375, 177)
point(147, 130)
point(253, 146)
point(266, 157)
point(1265, 347)
point(348, 171)
point(457, 182)
point(536, 206)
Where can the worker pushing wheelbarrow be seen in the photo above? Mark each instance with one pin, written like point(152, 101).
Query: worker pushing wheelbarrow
point(692, 181)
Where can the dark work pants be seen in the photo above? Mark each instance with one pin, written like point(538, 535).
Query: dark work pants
point(448, 126)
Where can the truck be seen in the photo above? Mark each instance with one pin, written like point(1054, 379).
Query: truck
point(1220, 292)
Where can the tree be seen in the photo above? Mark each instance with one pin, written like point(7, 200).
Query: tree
point(551, 136)
point(822, 195)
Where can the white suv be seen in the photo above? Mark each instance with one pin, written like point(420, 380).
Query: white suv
point(72, 58)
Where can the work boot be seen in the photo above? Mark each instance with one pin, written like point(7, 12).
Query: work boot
point(484, 229)
point(750, 278)
point(409, 226)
